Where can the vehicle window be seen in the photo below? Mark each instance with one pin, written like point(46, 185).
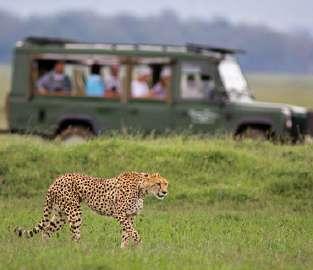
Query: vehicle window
point(92, 76)
point(151, 79)
point(233, 80)
point(197, 82)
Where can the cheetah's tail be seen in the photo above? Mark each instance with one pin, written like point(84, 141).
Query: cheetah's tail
point(29, 233)
point(40, 226)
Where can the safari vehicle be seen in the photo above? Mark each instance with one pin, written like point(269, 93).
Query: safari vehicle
point(207, 93)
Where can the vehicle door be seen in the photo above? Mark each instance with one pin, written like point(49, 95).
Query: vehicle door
point(76, 106)
point(200, 105)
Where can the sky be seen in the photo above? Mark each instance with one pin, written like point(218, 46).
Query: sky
point(280, 14)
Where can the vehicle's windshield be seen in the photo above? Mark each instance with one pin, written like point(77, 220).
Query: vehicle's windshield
point(233, 80)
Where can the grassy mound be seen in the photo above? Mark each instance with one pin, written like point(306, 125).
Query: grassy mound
point(231, 204)
point(199, 171)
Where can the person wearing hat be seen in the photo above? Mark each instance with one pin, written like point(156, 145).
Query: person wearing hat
point(140, 87)
point(159, 91)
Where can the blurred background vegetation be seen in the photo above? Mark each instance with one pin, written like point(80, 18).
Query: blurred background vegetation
point(268, 49)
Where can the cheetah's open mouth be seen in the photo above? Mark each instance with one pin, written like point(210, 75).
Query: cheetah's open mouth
point(161, 195)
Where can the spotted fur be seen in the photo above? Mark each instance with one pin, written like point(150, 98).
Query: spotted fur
point(120, 197)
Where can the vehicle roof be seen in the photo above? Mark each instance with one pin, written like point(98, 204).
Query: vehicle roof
point(60, 45)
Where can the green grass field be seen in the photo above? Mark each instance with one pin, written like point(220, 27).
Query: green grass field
point(232, 205)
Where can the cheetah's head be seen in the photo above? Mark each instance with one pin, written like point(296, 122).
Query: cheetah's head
point(154, 184)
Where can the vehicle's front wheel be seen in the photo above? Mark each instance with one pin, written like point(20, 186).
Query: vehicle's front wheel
point(75, 134)
point(254, 134)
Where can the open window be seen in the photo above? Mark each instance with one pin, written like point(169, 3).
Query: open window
point(97, 76)
point(197, 82)
point(151, 79)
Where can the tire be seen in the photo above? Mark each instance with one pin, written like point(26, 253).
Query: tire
point(254, 134)
point(75, 134)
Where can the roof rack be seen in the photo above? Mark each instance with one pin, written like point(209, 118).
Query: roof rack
point(199, 48)
point(47, 40)
point(189, 47)
point(68, 43)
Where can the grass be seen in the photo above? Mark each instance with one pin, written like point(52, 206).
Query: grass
point(232, 205)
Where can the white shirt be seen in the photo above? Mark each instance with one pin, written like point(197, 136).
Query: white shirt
point(139, 89)
point(113, 83)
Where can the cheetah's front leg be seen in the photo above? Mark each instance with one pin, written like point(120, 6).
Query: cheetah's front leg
point(134, 234)
point(128, 231)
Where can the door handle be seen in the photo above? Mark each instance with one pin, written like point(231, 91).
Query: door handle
point(41, 115)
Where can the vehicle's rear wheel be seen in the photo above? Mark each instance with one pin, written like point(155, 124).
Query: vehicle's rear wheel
point(254, 133)
point(75, 134)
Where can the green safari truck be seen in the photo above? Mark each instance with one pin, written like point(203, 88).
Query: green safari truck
point(139, 87)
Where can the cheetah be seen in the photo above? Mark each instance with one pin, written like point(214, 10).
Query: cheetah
point(120, 197)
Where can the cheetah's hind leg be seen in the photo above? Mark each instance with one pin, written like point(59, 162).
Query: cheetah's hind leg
point(74, 218)
point(56, 222)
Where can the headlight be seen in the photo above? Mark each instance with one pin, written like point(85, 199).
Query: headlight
point(288, 120)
